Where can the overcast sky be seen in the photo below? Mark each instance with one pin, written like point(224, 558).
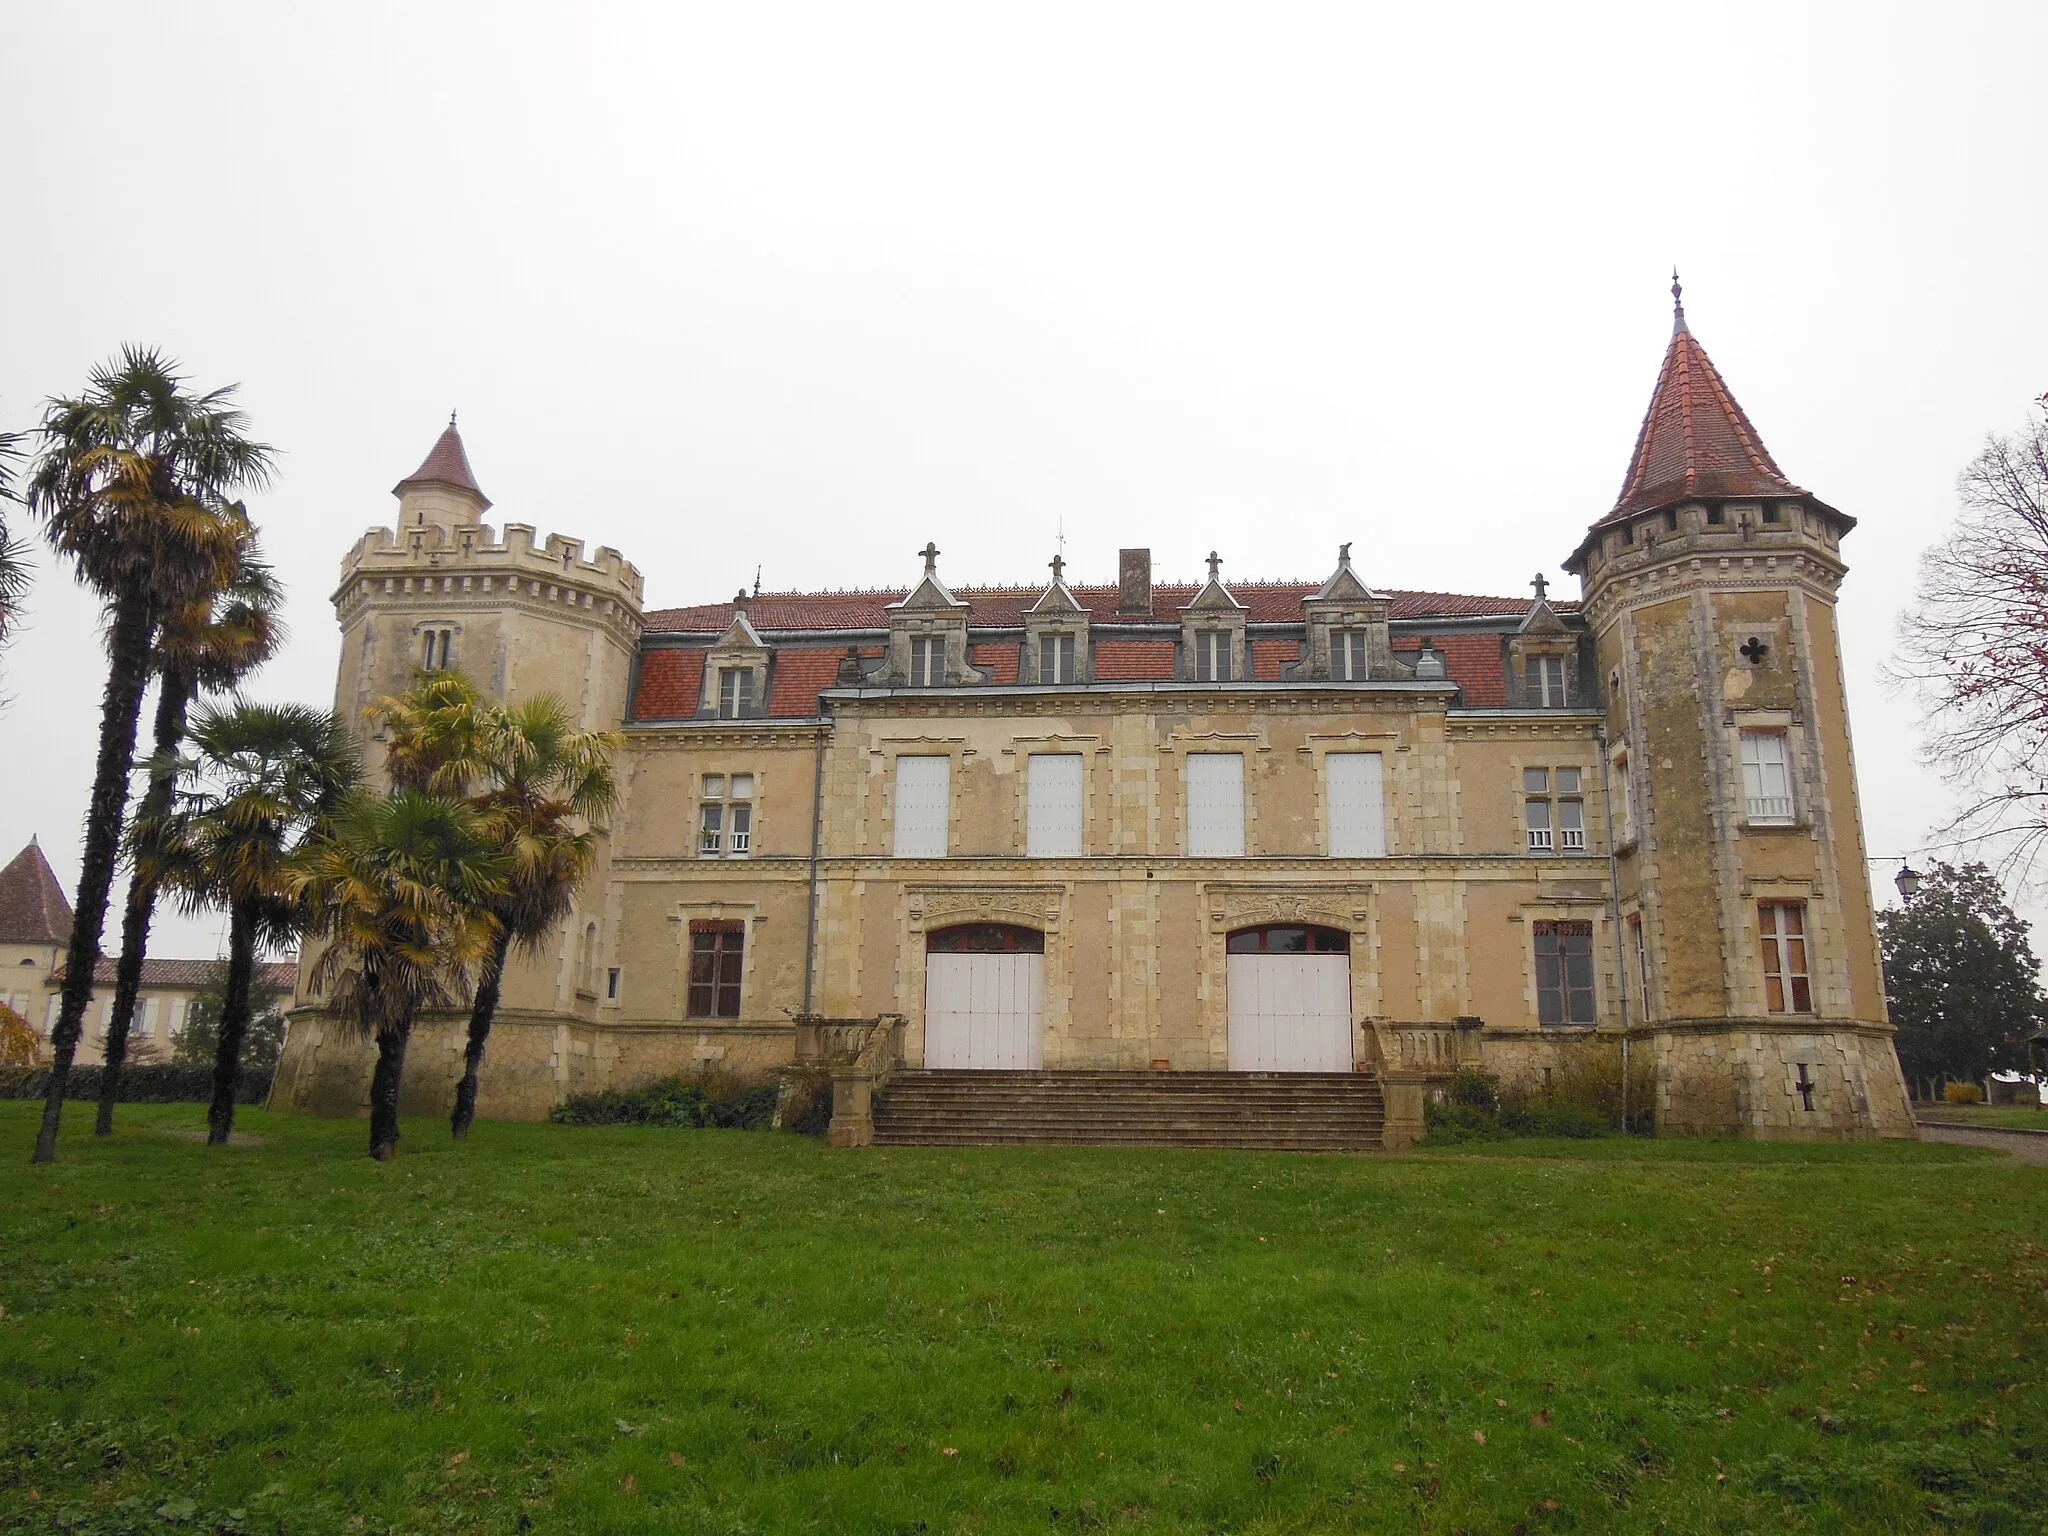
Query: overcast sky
point(728, 286)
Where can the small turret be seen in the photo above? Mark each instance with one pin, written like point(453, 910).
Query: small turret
point(442, 492)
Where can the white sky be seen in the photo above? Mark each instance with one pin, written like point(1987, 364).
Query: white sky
point(802, 287)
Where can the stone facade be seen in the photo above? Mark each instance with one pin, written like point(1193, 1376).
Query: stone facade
point(770, 833)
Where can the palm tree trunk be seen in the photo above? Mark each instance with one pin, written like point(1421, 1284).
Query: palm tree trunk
point(480, 1015)
point(172, 701)
point(120, 705)
point(234, 1025)
point(391, 1042)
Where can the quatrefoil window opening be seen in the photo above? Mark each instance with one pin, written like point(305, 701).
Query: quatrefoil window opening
point(1754, 651)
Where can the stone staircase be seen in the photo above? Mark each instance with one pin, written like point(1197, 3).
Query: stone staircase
point(1282, 1111)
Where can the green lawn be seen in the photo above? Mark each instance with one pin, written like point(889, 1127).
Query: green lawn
point(620, 1330)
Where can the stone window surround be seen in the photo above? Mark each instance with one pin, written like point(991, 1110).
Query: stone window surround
point(1230, 622)
point(1057, 621)
point(1564, 909)
point(1322, 619)
point(720, 659)
point(1088, 749)
point(880, 835)
point(1182, 744)
point(1788, 724)
point(1524, 648)
point(698, 802)
point(1588, 796)
point(684, 914)
point(1824, 981)
point(950, 625)
point(1621, 785)
point(423, 627)
point(1394, 762)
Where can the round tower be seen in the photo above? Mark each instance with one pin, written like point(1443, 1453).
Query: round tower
point(1749, 929)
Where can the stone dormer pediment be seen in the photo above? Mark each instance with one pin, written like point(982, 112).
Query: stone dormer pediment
point(928, 635)
point(1056, 636)
point(740, 634)
point(1213, 648)
point(1346, 639)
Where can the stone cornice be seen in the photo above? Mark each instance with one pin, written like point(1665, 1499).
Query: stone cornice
point(1614, 592)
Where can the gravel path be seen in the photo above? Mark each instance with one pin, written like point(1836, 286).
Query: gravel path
point(2025, 1146)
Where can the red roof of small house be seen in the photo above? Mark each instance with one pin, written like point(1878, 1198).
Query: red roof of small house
point(33, 909)
point(187, 975)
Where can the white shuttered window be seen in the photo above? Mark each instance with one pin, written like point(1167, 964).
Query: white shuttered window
point(923, 801)
point(1055, 811)
point(1358, 814)
point(1216, 805)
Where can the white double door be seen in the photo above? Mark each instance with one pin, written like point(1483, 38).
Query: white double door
point(1290, 1013)
point(984, 1013)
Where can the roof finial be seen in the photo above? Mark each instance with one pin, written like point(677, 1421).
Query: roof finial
point(451, 415)
point(1678, 325)
point(931, 558)
point(757, 581)
point(1542, 586)
point(1059, 564)
point(1343, 557)
point(1215, 565)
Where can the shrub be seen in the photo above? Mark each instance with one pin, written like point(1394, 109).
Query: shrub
point(1584, 1102)
point(675, 1102)
point(147, 1084)
point(1963, 1093)
point(807, 1108)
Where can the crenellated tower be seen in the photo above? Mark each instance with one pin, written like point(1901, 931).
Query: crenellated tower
point(1750, 934)
point(522, 616)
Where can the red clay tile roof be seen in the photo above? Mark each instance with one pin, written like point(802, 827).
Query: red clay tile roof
point(671, 684)
point(1695, 439)
point(32, 905)
point(190, 975)
point(801, 674)
point(1475, 664)
point(1269, 656)
point(1134, 661)
point(1002, 659)
point(1003, 607)
point(447, 464)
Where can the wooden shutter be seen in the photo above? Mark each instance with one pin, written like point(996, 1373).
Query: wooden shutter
point(923, 803)
point(1055, 809)
point(1358, 816)
point(1216, 805)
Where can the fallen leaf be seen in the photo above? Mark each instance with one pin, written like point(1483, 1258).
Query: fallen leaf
point(675, 1459)
point(629, 1485)
point(458, 1458)
point(1237, 1403)
point(1500, 1402)
point(1537, 1292)
point(1400, 1466)
point(1550, 1504)
point(1479, 1435)
point(1540, 1419)
point(628, 1429)
point(1919, 1386)
point(949, 1451)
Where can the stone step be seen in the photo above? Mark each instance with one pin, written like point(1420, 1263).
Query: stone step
point(1310, 1112)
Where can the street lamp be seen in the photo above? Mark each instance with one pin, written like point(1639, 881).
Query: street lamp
point(1908, 881)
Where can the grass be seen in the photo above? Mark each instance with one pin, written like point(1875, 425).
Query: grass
point(623, 1330)
point(2010, 1116)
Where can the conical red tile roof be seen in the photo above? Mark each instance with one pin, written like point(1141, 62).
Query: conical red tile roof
point(32, 905)
point(446, 464)
point(1695, 441)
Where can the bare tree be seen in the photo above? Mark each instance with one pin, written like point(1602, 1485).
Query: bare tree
point(1975, 648)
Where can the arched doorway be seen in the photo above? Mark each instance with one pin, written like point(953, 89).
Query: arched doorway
point(1290, 999)
point(984, 991)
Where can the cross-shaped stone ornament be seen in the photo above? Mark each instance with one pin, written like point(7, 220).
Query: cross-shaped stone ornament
point(1215, 564)
point(1754, 651)
point(1542, 586)
point(931, 558)
point(1059, 564)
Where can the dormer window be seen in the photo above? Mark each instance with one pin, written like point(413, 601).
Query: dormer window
point(1544, 682)
point(1056, 659)
point(1348, 652)
point(1212, 656)
point(927, 660)
point(735, 692)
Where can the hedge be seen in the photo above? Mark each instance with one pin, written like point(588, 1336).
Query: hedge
point(139, 1084)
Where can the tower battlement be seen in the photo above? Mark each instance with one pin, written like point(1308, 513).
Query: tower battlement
point(467, 561)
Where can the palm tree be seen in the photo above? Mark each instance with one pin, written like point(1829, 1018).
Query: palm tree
point(207, 647)
point(263, 780)
point(400, 889)
point(541, 778)
point(13, 553)
point(132, 484)
point(531, 776)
